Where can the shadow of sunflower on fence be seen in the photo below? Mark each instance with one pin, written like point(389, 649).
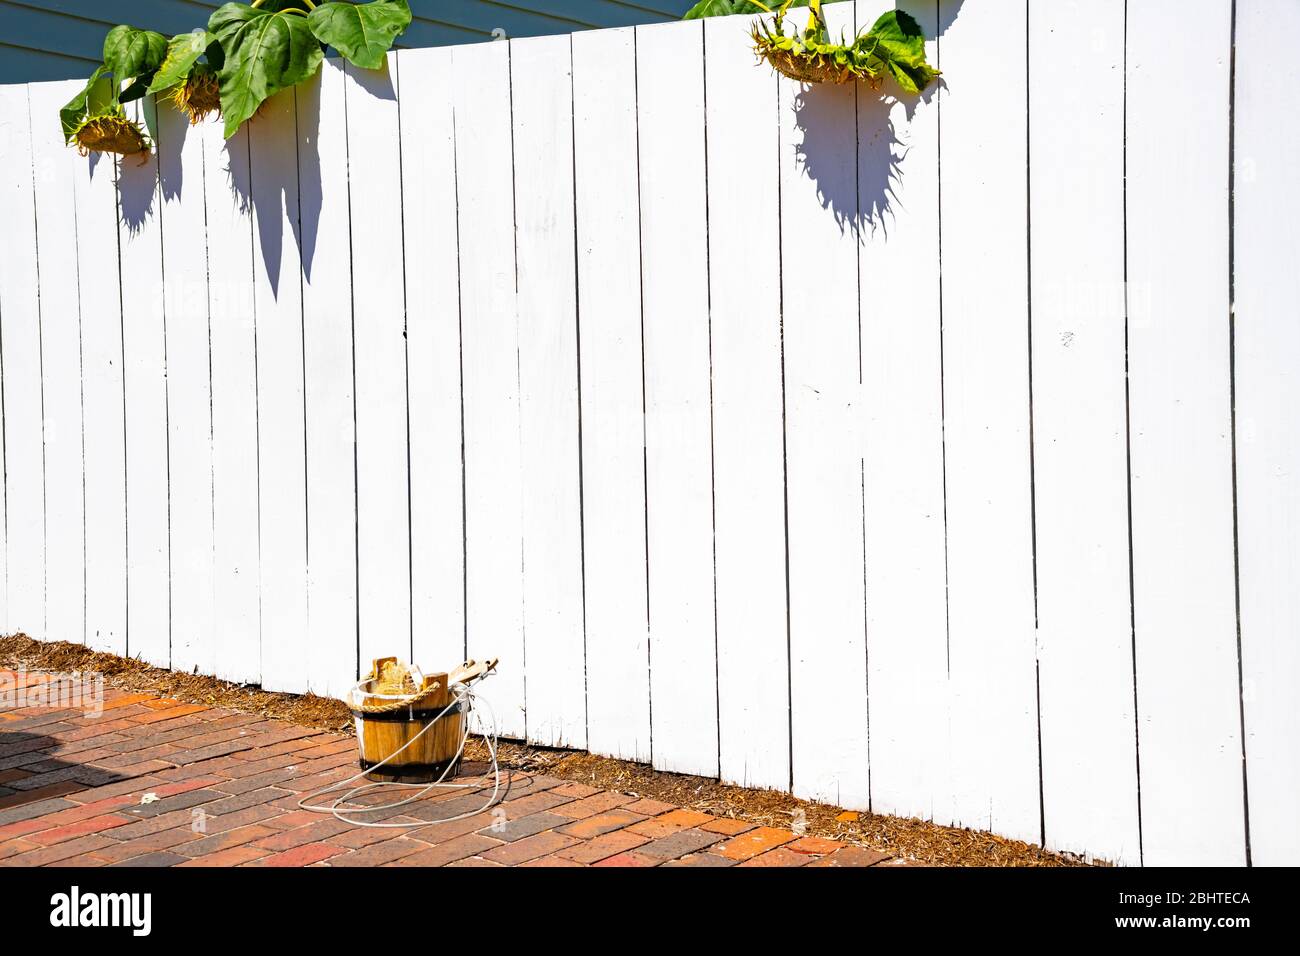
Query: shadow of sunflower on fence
point(854, 137)
point(858, 178)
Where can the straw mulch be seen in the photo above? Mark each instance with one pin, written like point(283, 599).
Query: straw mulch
point(127, 673)
point(912, 840)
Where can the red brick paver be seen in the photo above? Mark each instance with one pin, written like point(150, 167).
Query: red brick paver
point(631, 858)
point(754, 842)
point(781, 856)
point(159, 782)
point(727, 826)
point(852, 856)
point(603, 846)
point(649, 808)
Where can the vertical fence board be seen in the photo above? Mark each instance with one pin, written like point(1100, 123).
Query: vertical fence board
point(144, 346)
point(236, 569)
point(189, 397)
point(748, 452)
point(542, 94)
point(277, 291)
point(490, 354)
point(55, 167)
point(1267, 290)
point(679, 456)
point(1080, 429)
point(613, 426)
point(1180, 410)
point(907, 631)
point(383, 515)
point(328, 317)
point(104, 452)
point(986, 402)
point(21, 343)
point(819, 221)
point(433, 356)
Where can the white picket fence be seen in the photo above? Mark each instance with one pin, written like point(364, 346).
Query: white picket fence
point(757, 439)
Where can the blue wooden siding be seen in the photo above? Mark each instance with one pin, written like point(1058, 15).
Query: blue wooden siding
point(58, 39)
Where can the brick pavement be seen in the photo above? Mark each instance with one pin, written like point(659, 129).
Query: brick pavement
point(156, 782)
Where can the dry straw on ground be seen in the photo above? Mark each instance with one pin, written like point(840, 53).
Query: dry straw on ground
point(911, 840)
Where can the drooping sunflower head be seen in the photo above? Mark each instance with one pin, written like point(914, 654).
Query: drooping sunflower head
point(110, 132)
point(894, 46)
point(811, 57)
point(198, 96)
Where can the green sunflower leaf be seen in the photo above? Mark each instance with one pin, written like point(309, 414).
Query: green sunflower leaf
point(183, 51)
point(129, 52)
point(265, 51)
point(899, 38)
point(898, 41)
point(361, 32)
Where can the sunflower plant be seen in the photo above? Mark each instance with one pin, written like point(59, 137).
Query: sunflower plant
point(894, 46)
point(245, 54)
point(94, 120)
point(188, 75)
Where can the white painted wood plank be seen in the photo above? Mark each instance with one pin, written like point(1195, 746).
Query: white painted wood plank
point(328, 379)
point(828, 709)
point(228, 185)
point(986, 402)
point(748, 449)
point(20, 314)
point(189, 394)
point(56, 236)
point(542, 93)
point(678, 422)
point(378, 304)
point(1180, 416)
point(1267, 290)
point(1090, 787)
point(619, 716)
point(102, 396)
point(490, 356)
point(907, 631)
point(277, 290)
point(433, 357)
point(144, 346)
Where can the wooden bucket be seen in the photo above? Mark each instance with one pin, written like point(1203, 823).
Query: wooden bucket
point(385, 724)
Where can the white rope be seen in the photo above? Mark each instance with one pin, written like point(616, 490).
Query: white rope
point(348, 814)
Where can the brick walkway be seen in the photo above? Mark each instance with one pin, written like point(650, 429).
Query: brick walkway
point(155, 782)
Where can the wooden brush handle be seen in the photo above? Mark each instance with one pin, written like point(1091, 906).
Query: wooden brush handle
point(470, 670)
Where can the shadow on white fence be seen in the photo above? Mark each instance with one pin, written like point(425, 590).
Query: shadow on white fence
point(936, 457)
